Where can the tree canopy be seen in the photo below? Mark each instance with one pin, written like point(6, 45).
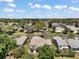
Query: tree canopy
point(45, 52)
point(39, 24)
point(6, 44)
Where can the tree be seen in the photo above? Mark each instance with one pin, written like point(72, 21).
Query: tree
point(18, 52)
point(2, 51)
point(6, 44)
point(71, 35)
point(45, 52)
point(27, 56)
point(66, 30)
point(53, 29)
point(76, 24)
point(39, 24)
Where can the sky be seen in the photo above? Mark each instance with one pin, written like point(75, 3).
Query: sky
point(39, 8)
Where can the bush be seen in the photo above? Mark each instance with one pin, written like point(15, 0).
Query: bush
point(57, 55)
point(27, 56)
point(45, 52)
point(18, 52)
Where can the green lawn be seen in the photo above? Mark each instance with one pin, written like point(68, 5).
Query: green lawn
point(18, 34)
point(50, 34)
point(65, 58)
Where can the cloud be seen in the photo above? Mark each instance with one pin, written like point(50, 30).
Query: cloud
point(36, 6)
point(30, 4)
point(11, 5)
point(47, 7)
point(18, 10)
point(7, 10)
point(74, 9)
point(6, 0)
point(40, 6)
point(60, 6)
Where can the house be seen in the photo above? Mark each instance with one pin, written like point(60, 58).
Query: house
point(2, 23)
point(67, 43)
point(55, 24)
point(18, 27)
point(73, 28)
point(37, 41)
point(21, 40)
point(61, 43)
point(73, 44)
point(10, 23)
point(59, 29)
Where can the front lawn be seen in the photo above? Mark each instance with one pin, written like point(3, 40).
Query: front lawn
point(65, 58)
point(16, 34)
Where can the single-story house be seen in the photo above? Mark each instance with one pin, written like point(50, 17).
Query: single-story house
point(21, 40)
point(55, 24)
point(73, 28)
point(59, 29)
point(61, 43)
point(58, 26)
point(67, 43)
point(73, 44)
point(37, 41)
point(18, 27)
point(2, 23)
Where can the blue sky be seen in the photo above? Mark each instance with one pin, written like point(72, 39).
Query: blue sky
point(39, 8)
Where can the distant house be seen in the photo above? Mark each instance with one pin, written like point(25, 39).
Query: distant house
point(73, 28)
point(61, 43)
point(18, 27)
point(10, 23)
point(2, 23)
point(58, 27)
point(37, 41)
point(55, 24)
point(74, 44)
point(21, 40)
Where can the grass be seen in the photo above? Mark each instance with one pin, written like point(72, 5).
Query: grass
point(7, 27)
point(50, 34)
point(18, 33)
point(66, 58)
point(37, 33)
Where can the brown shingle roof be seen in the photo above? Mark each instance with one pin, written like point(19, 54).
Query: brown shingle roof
point(38, 41)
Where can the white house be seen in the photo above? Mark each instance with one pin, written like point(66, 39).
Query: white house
point(59, 29)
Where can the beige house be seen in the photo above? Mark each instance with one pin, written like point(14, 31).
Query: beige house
point(37, 41)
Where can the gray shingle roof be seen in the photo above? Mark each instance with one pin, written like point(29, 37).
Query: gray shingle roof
point(60, 41)
point(55, 24)
point(21, 40)
point(73, 43)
